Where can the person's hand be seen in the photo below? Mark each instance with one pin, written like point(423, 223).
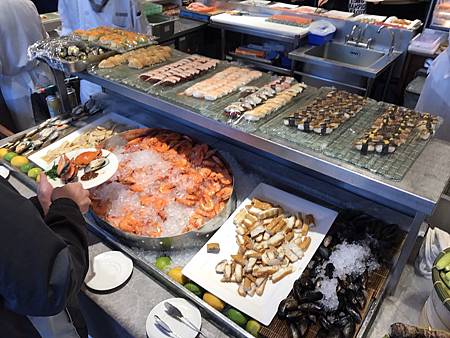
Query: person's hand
point(44, 192)
point(321, 3)
point(76, 193)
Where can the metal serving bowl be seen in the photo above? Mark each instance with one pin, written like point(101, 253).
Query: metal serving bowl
point(194, 238)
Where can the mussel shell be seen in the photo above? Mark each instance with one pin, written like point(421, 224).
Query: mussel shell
point(354, 314)
point(310, 308)
point(303, 326)
point(97, 164)
point(294, 331)
point(310, 296)
point(348, 331)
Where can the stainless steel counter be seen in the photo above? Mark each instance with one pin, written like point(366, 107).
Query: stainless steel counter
point(419, 191)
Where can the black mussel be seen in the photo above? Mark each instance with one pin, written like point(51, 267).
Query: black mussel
point(287, 305)
point(348, 331)
point(389, 232)
point(294, 331)
point(334, 333)
point(361, 298)
point(294, 315)
point(323, 321)
point(342, 321)
point(303, 326)
point(342, 302)
point(312, 317)
point(310, 296)
point(329, 269)
point(332, 318)
point(310, 307)
point(306, 283)
point(327, 241)
point(318, 283)
point(323, 333)
point(323, 252)
point(354, 314)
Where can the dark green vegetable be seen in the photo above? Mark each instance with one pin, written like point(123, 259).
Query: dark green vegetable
point(52, 173)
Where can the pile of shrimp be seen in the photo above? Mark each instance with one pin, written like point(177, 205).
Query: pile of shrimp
point(165, 185)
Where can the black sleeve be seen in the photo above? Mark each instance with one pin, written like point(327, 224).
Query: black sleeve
point(42, 262)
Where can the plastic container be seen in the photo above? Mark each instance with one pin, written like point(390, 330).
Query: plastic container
point(150, 8)
point(427, 43)
point(436, 311)
point(320, 32)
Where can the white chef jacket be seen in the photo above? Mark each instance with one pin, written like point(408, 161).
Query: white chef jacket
point(20, 26)
point(79, 14)
point(435, 96)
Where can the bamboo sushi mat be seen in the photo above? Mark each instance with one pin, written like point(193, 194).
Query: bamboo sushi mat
point(376, 282)
point(392, 166)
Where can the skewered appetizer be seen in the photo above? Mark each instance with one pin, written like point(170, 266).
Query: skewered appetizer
point(254, 96)
point(393, 128)
point(166, 185)
point(325, 115)
point(184, 70)
point(291, 20)
point(222, 83)
point(139, 58)
point(270, 241)
point(113, 37)
point(275, 103)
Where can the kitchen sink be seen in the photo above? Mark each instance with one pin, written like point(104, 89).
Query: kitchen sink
point(354, 56)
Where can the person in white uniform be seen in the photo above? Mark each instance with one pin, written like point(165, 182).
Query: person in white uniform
point(20, 27)
point(87, 14)
point(435, 96)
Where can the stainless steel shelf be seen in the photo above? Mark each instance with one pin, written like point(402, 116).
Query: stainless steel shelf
point(261, 63)
point(419, 191)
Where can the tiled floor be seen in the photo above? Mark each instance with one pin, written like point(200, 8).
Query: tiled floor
point(405, 305)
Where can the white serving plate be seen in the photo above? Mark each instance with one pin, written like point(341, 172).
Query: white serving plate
point(377, 18)
point(37, 157)
point(282, 5)
point(182, 330)
point(103, 174)
point(108, 271)
point(201, 269)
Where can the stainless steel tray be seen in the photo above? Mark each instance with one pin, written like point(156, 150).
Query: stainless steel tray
point(130, 77)
point(182, 241)
point(152, 41)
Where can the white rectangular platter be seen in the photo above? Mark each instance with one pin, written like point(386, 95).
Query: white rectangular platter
point(201, 269)
point(37, 157)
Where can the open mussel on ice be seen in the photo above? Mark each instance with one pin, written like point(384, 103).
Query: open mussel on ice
point(40, 136)
point(333, 293)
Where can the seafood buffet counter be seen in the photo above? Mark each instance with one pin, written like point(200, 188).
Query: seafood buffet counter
point(330, 188)
point(418, 191)
point(249, 169)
